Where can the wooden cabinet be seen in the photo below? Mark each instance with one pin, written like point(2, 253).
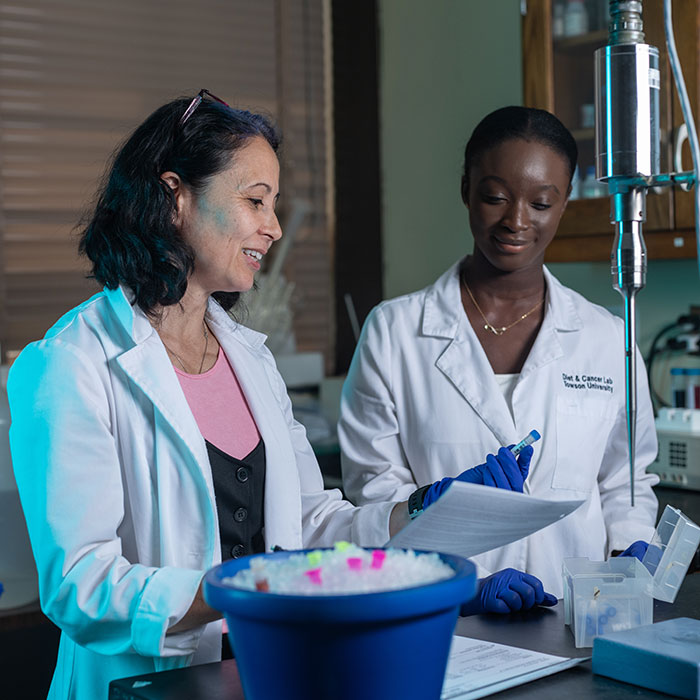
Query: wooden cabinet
point(558, 75)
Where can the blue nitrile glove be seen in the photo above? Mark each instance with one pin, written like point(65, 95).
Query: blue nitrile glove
point(636, 549)
point(508, 591)
point(503, 471)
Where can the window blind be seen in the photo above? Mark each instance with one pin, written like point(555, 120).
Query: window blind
point(77, 76)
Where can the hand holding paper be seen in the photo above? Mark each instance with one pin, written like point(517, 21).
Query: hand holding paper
point(503, 471)
point(469, 519)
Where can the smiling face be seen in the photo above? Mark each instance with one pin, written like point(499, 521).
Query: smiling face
point(232, 223)
point(516, 194)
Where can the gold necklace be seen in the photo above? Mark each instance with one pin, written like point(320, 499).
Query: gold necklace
point(503, 329)
point(204, 354)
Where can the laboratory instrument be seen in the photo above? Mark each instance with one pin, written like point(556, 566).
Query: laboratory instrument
point(678, 342)
point(627, 86)
point(532, 436)
point(677, 462)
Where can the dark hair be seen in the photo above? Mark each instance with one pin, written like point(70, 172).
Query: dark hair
point(131, 237)
point(525, 123)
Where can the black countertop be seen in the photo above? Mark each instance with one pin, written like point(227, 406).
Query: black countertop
point(541, 630)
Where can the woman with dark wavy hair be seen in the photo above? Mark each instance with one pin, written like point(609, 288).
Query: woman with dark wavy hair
point(152, 435)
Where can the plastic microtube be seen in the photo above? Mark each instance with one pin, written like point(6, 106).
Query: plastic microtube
point(378, 557)
point(314, 558)
point(314, 576)
point(257, 566)
point(531, 437)
point(355, 563)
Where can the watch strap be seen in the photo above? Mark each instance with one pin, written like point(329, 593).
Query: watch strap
point(415, 501)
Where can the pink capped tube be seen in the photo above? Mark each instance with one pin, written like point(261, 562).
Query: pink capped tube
point(314, 575)
point(378, 557)
point(355, 563)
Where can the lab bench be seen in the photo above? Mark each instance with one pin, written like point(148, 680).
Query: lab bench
point(29, 641)
point(541, 630)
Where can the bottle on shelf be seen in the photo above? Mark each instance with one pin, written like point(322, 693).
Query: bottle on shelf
point(558, 19)
point(590, 187)
point(575, 18)
point(575, 185)
point(587, 115)
point(598, 14)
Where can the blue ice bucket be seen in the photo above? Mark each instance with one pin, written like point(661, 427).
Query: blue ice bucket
point(373, 646)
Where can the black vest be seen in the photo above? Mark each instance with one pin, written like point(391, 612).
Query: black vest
point(239, 487)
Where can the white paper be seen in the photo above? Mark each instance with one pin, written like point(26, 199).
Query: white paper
point(476, 668)
point(469, 519)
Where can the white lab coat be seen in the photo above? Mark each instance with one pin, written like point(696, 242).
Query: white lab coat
point(116, 486)
point(421, 402)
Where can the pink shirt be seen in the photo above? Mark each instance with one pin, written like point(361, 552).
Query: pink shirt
point(220, 409)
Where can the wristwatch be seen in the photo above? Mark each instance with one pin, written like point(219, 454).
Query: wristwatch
point(415, 502)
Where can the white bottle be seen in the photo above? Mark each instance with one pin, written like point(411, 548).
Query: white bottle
point(590, 188)
point(575, 18)
point(575, 185)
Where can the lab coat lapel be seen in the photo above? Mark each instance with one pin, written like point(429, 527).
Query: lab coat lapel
point(243, 349)
point(464, 361)
point(560, 316)
point(148, 366)
point(465, 364)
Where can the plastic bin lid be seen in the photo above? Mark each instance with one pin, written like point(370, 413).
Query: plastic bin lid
point(670, 552)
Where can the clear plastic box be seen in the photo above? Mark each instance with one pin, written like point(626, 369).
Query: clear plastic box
point(670, 552)
point(605, 596)
point(618, 594)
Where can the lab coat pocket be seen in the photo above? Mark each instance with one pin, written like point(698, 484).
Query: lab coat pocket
point(583, 428)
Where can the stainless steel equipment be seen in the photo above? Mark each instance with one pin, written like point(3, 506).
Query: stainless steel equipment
point(627, 158)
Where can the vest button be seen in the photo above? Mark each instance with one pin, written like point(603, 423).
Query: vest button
point(240, 514)
point(242, 474)
point(237, 551)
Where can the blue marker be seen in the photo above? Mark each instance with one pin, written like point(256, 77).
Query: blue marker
point(531, 437)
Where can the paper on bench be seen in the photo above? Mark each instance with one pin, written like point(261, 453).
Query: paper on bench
point(476, 668)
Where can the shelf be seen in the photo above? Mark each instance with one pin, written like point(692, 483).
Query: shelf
point(594, 39)
point(661, 245)
point(583, 134)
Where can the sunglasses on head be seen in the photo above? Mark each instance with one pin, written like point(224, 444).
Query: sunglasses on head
point(196, 102)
